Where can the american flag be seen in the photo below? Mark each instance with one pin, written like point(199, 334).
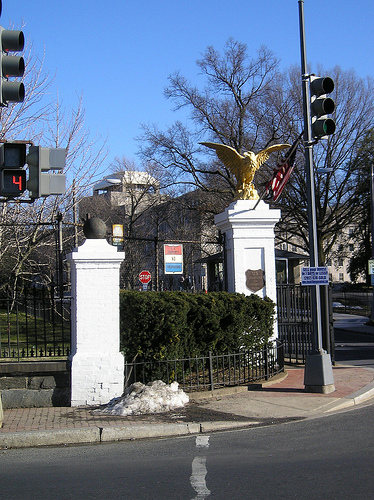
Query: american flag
point(274, 187)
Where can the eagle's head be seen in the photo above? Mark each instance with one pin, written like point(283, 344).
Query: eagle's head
point(250, 157)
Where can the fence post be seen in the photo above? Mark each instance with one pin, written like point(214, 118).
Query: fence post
point(266, 359)
point(211, 371)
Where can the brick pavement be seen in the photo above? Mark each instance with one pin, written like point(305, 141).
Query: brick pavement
point(348, 380)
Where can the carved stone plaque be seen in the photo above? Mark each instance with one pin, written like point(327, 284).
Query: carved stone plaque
point(255, 279)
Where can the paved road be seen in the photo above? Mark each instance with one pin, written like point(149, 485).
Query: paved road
point(330, 457)
point(352, 345)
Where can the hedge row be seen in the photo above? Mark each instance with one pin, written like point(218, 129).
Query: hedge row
point(171, 325)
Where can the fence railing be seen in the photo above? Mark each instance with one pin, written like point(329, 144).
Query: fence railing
point(212, 371)
point(294, 321)
point(357, 302)
point(34, 324)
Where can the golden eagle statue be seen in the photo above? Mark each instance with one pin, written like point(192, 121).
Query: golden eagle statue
point(243, 167)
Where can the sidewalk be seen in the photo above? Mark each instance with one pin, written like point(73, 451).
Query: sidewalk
point(283, 400)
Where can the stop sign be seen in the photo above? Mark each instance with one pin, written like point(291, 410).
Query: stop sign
point(145, 277)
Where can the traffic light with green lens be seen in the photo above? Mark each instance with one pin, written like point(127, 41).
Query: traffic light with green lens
point(11, 66)
point(321, 106)
point(12, 173)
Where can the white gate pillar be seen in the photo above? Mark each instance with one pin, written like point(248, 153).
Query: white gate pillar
point(250, 251)
point(97, 365)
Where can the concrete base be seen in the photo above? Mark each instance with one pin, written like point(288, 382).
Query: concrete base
point(32, 398)
point(318, 376)
point(320, 389)
point(45, 384)
point(95, 378)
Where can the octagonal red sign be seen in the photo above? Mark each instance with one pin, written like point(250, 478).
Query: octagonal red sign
point(145, 277)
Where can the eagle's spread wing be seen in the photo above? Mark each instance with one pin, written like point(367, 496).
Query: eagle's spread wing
point(263, 155)
point(228, 155)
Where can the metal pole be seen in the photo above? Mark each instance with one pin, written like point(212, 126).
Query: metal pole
point(60, 256)
point(311, 198)
point(318, 369)
point(75, 214)
point(372, 227)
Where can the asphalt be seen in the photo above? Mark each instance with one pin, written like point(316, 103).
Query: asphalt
point(283, 399)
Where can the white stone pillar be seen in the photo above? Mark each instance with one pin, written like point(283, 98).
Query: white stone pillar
point(97, 366)
point(250, 250)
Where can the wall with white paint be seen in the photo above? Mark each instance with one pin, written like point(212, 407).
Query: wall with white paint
point(97, 366)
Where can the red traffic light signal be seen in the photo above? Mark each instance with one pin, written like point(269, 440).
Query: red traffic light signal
point(13, 182)
point(12, 173)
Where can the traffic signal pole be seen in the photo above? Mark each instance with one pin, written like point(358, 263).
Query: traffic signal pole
point(318, 369)
point(372, 227)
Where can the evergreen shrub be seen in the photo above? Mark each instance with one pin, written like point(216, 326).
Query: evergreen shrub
point(173, 325)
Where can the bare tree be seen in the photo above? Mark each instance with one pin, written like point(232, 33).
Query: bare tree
point(336, 206)
point(362, 165)
point(27, 231)
point(249, 104)
point(230, 109)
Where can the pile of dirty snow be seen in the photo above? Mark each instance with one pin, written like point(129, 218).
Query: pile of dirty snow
point(140, 399)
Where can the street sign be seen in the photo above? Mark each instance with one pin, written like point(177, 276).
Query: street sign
point(314, 276)
point(371, 266)
point(173, 258)
point(145, 277)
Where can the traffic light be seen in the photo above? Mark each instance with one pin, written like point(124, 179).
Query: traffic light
point(11, 41)
point(40, 161)
point(12, 173)
point(321, 106)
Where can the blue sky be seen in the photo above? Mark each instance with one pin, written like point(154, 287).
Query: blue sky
point(119, 53)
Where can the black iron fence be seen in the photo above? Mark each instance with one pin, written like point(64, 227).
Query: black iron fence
point(353, 302)
point(212, 371)
point(147, 254)
point(294, 321)
point(34, 324)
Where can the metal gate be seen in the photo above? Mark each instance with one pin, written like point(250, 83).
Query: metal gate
point(295, 321)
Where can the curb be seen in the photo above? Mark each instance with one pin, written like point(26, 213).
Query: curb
point(96, 435)
point(355, 398)
point(31, 439)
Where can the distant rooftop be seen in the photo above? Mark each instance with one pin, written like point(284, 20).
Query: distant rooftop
point(122, 180)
